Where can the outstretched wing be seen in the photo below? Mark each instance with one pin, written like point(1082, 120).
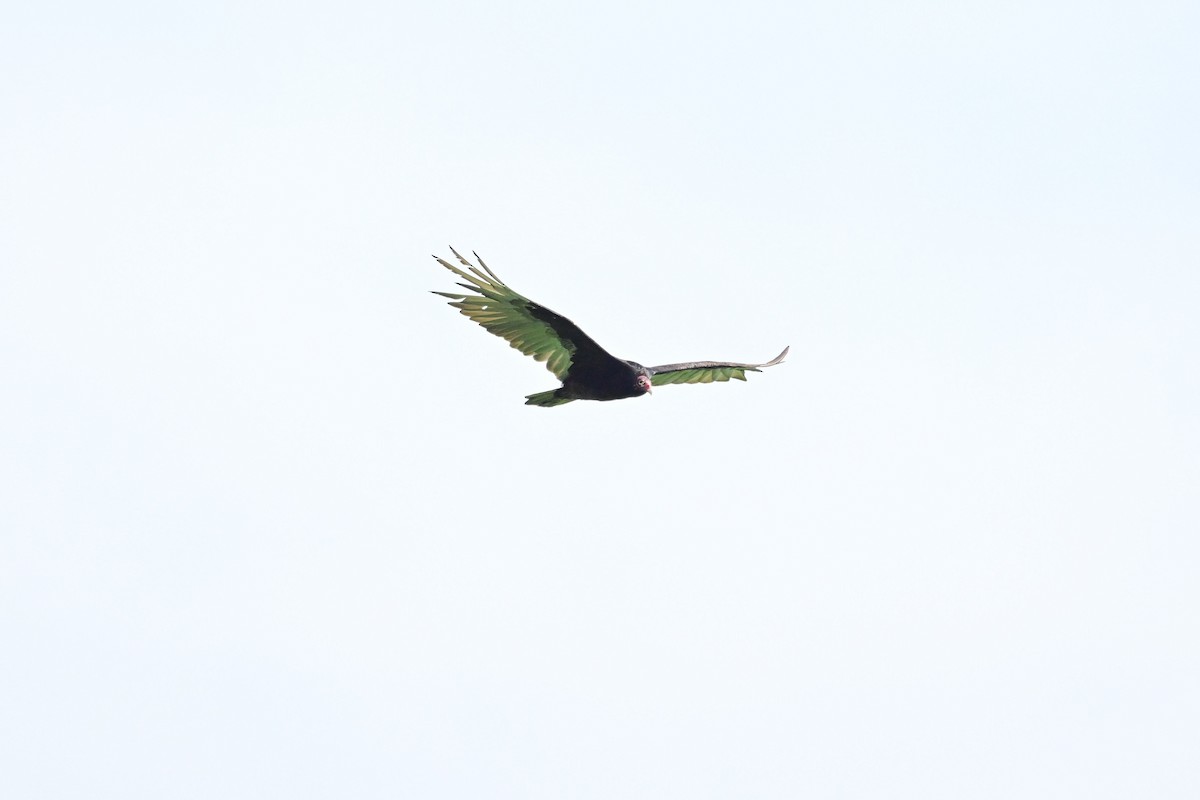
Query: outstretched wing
point(531, 328)
point(707, 371)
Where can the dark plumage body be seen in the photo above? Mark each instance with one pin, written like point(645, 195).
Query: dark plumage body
point(604, 382)
point(587, 371)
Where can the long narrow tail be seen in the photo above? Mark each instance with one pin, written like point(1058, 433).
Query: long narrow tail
point(550, 398)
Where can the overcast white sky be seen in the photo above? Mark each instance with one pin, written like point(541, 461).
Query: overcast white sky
point(275, 522)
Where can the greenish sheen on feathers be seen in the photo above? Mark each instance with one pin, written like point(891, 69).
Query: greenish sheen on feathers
point(505, 313)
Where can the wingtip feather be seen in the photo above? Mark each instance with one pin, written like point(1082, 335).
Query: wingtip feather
point(777, 359)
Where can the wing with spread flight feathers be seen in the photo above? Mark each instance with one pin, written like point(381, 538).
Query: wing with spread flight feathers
point(529, 327)
point(707, 371)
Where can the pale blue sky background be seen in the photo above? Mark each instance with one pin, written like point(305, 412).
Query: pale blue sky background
point(275, 522)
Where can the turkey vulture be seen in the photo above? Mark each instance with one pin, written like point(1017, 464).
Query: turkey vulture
point(585, 368)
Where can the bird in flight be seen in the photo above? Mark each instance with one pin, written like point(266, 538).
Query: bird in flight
point(586, 369)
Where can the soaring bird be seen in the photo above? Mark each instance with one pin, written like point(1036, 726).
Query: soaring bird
point(587, 370)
